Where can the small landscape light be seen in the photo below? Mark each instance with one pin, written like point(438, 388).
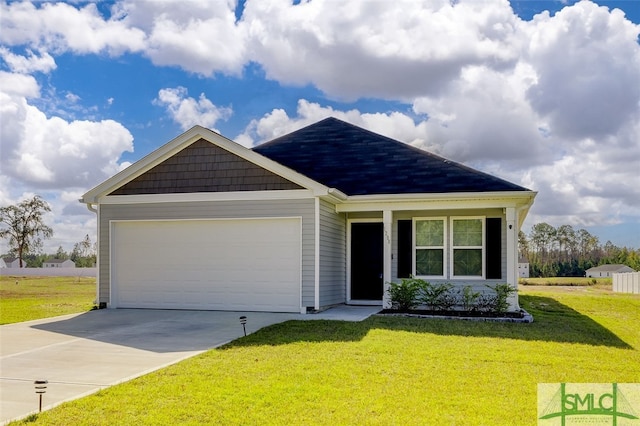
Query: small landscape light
point(41, 388)
point(243, 321)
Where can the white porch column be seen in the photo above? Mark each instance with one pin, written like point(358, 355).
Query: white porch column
point(512, 254)
point(387, 221)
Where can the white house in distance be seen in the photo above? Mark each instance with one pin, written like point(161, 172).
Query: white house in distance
point(10, 262)
point(523, 268)
point(59, 263)
point(603, 271)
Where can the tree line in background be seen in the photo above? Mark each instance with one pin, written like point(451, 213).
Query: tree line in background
point(24, 229)
point(566, 252)
point(83, 255)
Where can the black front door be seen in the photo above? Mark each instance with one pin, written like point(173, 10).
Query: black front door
point(366, 260)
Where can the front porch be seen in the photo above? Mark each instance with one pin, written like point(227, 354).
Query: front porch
point(433, 239)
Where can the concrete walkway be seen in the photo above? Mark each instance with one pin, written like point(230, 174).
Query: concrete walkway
point(82, 353)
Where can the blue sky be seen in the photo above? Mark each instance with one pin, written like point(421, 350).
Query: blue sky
point(542, 93)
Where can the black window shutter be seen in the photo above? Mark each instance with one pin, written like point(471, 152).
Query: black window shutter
point(494, 248)
point(405, 245)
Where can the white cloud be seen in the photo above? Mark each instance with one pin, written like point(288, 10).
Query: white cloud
point(200, 36)
point(485, 117)
point(393, 50)
point(28, 63)
point(587, 62)
point(50, 152)
point(187, 111)
point(60, 27)
point(19, 85)
point(72, 97)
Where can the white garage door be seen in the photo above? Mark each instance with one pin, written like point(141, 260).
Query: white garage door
point(239, 265)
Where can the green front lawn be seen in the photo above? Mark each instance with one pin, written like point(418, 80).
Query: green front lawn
point(385, 370)
point(568, 281)
point(30, 298)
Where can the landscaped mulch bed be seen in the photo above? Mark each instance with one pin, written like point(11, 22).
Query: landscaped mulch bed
point(520, 316)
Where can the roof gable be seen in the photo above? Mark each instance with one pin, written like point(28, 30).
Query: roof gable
point(244, 160)
point(359, 162)
point(204, 167)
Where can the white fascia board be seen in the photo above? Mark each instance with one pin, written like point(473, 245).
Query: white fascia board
point(182, 141)
point(293, 194)
point(468, 200)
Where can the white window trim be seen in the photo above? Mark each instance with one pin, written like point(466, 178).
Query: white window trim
point(481, 247)
point(444, 248)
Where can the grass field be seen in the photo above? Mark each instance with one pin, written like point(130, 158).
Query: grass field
point(568, 281)
point(29, 298)
point(385, 370)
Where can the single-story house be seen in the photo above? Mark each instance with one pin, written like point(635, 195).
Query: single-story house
point(607, 270)
point(58, 263)
point(13, 262)
point(329, 214)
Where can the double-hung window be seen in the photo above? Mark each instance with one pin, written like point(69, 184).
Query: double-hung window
point(467, 242)
point(455, 248)
point(430, 247)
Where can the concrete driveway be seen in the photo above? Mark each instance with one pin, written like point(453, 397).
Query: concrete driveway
point(82, 353)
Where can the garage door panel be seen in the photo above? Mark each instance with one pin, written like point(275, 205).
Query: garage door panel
point(207, 264)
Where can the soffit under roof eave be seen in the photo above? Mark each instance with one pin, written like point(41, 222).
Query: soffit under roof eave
point(474, 200)
point(194, 197)
point(192, 135)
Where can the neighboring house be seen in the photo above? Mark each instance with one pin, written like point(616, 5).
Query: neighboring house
point(607, 270)
point(326, 215)
point(523, 268)
point(13, 262)
point(59, 263)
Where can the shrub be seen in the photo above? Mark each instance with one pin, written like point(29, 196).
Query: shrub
point(403, 295)
point(503, 291)
point(438, 297)
point(469, 298)
point(486, 302)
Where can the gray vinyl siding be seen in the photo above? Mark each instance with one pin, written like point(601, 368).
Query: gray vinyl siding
point(333, 255)
point(303, 208)
point(477, 285)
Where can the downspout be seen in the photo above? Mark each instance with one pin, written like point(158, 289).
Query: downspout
point(316, 271)
point(96, 211)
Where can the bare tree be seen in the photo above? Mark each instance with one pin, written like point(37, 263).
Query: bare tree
point(84, 252)
point(24, 227)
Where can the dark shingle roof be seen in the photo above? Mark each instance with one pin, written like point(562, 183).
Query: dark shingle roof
point(610, 268)
point(359, 162)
